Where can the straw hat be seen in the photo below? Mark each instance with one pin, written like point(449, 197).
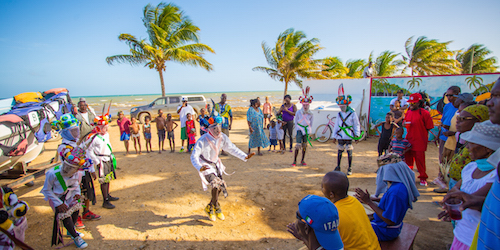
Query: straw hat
point(485, 134)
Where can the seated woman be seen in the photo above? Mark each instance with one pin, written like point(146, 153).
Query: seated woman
point(477, 178)
point(389, 214)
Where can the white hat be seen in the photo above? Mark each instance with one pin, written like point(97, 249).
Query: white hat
point(184, 99)
point(485, 134)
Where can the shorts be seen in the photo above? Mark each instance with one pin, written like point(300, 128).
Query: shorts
point(170, 135)
point(344, 145)
point(161, 134)
point(184, 135)
point(136, 135)
point(147, 136)
point(267, 116)
point(125, 136)
point(300, 138)
point(274, 142)
point(225, 131)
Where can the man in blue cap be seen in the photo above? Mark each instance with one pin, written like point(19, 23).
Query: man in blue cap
point(316, 225)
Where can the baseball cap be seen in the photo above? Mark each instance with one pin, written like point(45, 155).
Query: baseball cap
point(322, 216)
point(82, 99)
point(184, 99)
point(466, 97)
point(400, 91)
point(415, 97)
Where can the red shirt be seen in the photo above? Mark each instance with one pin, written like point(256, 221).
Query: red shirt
point(418, 123)
point(124, 125)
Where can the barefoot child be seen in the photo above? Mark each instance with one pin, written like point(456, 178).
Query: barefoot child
point(136, 136)
point(146, 130)
point(170, 130)
point(191, 132)
point(160, 126)
point(280, 134)
point(124, 125)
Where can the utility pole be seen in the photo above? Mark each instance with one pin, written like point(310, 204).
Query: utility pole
point(471, 61)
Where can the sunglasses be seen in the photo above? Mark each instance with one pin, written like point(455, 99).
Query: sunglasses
point(464, 118)
point(449, 95)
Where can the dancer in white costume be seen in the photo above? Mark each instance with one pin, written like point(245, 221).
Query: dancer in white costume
point(205, 158)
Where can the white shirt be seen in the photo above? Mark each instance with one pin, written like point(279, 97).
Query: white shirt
point(403, 101)
point(52, 188)
point(352, 120)
point(98, 150)
point(85, 117)
point(183, 114)
point(303, 119)
point(209, 147)
point(368, 72)
point(280, 132)
point(465, 228)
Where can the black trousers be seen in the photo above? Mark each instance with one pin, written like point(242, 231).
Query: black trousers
point(288, 128)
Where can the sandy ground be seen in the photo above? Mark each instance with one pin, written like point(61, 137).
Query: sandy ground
point(161, 199)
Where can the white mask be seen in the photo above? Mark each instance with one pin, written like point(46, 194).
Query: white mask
point(215, 131)
point(68, 170)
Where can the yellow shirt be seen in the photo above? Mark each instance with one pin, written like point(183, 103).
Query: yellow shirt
point(355, 229)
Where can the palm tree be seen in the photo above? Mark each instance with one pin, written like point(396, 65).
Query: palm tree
point(385, 65)
point(291, 59)
point(335, 67)
point(414, 82)
point(172, 37)
point(429, 57)
point(475, 81)
point(356, 67)
point(480, 62)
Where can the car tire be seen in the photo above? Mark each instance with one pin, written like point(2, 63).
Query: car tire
point(142, 117)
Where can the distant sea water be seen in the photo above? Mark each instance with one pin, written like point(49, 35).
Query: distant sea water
point(126, 102)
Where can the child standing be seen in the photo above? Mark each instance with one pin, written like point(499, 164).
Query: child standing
point(280, 135)
point(170, 132)
point(266, 109)
point(124, 125)
point(203, 120)
point(146, 129)
point(136, 136)
point(273, 136)
point(191, 132)
point(160, 127)
point(398, 114)
point(399, 145)
point(386, 134)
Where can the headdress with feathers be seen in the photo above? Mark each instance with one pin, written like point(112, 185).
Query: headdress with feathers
point(342, 99)
point(306, 98)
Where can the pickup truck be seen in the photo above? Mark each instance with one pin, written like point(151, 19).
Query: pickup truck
point(168, 104)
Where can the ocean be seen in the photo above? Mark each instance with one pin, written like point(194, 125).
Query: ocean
point(126, 102)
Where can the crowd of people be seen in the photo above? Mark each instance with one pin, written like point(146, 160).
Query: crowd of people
point(469, 157)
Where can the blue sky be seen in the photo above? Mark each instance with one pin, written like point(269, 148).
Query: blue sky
point(48, 44)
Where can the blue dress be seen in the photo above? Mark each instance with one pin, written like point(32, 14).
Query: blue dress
point(258, 138)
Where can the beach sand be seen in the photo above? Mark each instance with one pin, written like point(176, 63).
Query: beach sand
point(161, 199)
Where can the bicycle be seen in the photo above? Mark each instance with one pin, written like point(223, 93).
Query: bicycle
point(324, 131)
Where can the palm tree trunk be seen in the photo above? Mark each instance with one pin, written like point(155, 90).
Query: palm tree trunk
point(286, 89)
point(162, 83)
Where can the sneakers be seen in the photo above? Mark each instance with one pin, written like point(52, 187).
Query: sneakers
point(294, 164)
point(209, 209)
point(111, 198)
point(304, 163)
point(218, 212)
point(80, 243)
point(79, 234)
point(79, 223)
point(349, 171)
point(337, 168)
point(90, 216)
point(107, 204)
point(423, 183)
point(182, 150)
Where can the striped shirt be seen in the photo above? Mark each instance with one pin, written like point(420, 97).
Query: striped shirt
point(399, 146)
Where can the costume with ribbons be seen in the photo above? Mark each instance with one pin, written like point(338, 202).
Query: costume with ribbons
point(62, 187)
point(99, 149)
point(346, 129)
